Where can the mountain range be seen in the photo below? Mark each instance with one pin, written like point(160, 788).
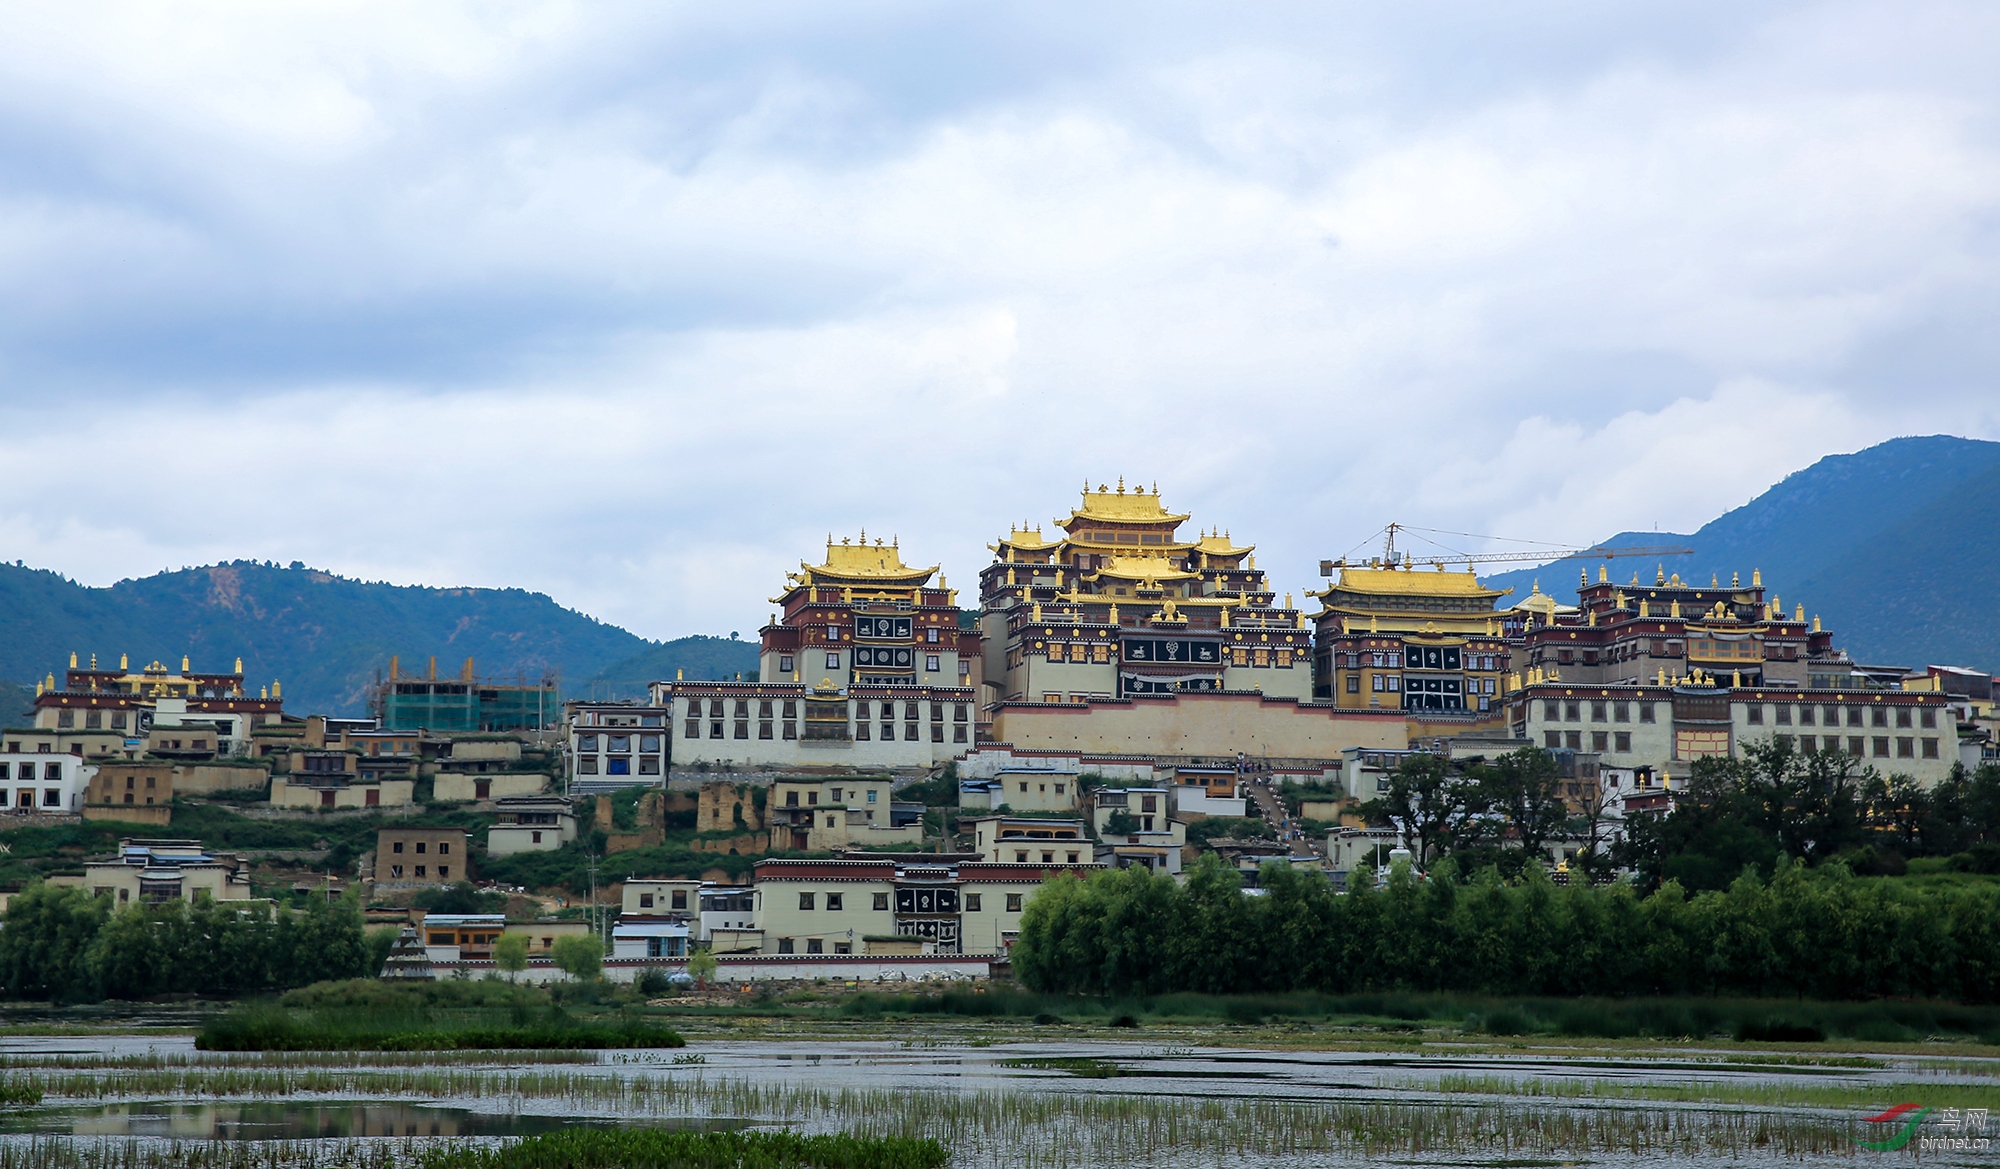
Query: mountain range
point(326, 637)
point(1895, 548)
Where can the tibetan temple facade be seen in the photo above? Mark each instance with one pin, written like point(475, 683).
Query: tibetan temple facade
point(1120, 604)
point(111, 712)
point(1650, 678)
point(1428, 641)
point(866, 665)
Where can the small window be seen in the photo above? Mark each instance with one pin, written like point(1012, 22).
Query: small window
point(1014, 902)
point(396, 847)
point(805, 901)
point(833, 902)
point(1646, 712)
point(833, 661)
point(815, 946)
point(784, 945)
point(881, 901)
point(444, 847)
point(1622, 742)
point(972, 903)
point(1754, 714)
point(420, 846)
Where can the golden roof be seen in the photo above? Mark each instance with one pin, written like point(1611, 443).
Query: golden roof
point(1122, 507)
point(1538, 601)
point(1218, 544)
point(1025, 538)
point(865, 561)
point(1404, 582)
point(1141, 568)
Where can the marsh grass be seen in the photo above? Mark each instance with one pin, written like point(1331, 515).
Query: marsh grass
point(680, 1149)
point(264, 1027)
point(1046, 1129)
point(1768, 1094)
point(1689, 1017)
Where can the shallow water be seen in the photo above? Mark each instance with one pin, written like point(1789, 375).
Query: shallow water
point(921, 1065)
point(274, 1120)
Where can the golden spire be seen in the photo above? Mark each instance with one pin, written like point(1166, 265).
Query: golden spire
point(72, 659)
point(1010, 574)
point(277, 689)
point(1603, 574)
point(263, 692)
point(1816, 628)
point(1582, 578)
point(1800, 614)
point(1035, 611)
point(1675, 609)
point(1593, 617)
point(52, 683)
point(1663, 676)
point(1618, 599)
point(93, 661)
point(1660, 576)
point(184, 665)
point(122, 662)
point(239, 667)
point(1714, 582)
point(1288, 600)
point(680, 673)
point(1735, 580)
point(1374, 623)
point(38, 689)
point(1645, 610)
point(1736, 679)
point(1114, 614)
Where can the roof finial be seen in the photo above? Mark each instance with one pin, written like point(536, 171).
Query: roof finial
point(1756, 578)
point(1603, 574)
point(1735, 580)
point(1660, 576)
point(1121, 484)
point(1713, 581)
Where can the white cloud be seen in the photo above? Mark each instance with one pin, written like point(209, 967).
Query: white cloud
point(633, 307)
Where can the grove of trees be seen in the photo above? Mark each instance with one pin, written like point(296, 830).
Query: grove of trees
point(64, 944)
point(1815, 931)
point(1772, 803)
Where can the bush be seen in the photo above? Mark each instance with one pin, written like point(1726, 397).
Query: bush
point(652, 982)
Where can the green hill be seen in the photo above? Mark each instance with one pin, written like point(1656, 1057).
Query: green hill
point(324, 636)
point(697, 658)
point(1895, 548)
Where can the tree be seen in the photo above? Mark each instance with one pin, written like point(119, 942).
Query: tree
point(1435, 809)
point(510, 954)
point(44, 947)
point(1527, 786)
point(579, 956)
point(701, 967)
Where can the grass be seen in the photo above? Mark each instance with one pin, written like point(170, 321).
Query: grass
point(369, 1015)
point(675, 1149)
point(1780, 1094)
point(1752, 1020)
point(265, 1028)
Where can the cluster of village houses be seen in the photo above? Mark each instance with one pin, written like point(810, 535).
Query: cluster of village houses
point(1116, 652)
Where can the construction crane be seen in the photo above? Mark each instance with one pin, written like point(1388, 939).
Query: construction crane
point(1391, 558)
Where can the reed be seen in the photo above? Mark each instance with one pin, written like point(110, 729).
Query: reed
point(261, 1027)
point(676, 1149)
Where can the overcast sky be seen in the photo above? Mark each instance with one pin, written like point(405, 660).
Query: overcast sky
point(633, 304)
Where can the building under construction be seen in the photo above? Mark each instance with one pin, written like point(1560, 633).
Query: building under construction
point(465, 704)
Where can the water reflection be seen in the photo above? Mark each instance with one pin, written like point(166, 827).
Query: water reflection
point(277, 1120)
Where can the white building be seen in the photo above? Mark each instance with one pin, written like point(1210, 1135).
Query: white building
point(32, 783)
point(1024, 841)
point(651, 937)
point(530, 824)
point(618, 743)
